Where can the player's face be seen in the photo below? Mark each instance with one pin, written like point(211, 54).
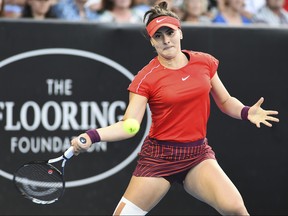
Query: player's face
point(167, 42)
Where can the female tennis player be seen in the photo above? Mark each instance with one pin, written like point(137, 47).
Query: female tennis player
point(176, 84)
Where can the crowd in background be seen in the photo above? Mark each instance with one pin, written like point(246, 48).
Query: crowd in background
point(227, 12)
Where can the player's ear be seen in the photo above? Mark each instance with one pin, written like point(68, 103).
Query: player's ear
point(181, 34)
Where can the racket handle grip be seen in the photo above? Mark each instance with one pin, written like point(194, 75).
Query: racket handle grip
point(69, 152)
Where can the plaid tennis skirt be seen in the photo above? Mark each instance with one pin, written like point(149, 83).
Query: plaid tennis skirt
point(162, 159)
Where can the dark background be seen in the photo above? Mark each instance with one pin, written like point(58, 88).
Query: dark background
point(253, 63)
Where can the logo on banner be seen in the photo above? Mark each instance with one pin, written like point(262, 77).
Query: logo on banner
point(54, 94)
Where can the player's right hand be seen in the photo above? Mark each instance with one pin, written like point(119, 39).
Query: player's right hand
point(81, 145)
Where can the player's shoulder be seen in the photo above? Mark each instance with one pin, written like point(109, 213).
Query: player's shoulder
point(151, 67)
point(147, 75)
point(199, 54)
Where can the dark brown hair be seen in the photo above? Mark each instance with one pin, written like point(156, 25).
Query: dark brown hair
point(157, 11)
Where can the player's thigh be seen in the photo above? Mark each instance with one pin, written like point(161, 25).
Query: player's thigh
point(208, 182)
point(146, 192)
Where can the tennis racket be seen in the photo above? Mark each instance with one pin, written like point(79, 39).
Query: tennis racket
point(42, 182)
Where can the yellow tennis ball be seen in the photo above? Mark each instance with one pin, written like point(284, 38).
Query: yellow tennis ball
point(131, 126)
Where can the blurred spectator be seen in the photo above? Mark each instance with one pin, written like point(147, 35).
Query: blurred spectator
point(221, 4)
point(251, 7)
point(213, 8)
point(94, 5)
point(38, 9)
point(194, 11)
point(286, 5)
point(74, 10)
point(142, 5)
point(120, 11)
point(231, 13)
point(2, 8)
point(177, 7)
point(13, 8)
point(273, 13)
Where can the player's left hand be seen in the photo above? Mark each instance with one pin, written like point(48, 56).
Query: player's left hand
point(257, 115)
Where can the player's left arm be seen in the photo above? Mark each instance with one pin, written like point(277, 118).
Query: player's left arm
point(233, 107)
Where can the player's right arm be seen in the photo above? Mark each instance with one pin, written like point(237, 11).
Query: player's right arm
point(115, 132)
point(136, 110)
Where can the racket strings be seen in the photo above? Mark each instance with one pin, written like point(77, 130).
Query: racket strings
point(40, 181)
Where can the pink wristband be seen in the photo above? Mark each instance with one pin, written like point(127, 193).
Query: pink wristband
point(244, 112)
point(93, 135)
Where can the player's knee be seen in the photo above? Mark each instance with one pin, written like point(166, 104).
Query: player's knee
point(126, 207)
point(236, 207)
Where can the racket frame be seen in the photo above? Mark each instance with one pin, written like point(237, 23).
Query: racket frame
point(67, 155)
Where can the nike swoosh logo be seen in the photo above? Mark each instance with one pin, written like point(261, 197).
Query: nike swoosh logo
point(185, 78)
point(160, 20)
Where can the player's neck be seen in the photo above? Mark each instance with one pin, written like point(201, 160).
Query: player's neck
point(177, 62)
